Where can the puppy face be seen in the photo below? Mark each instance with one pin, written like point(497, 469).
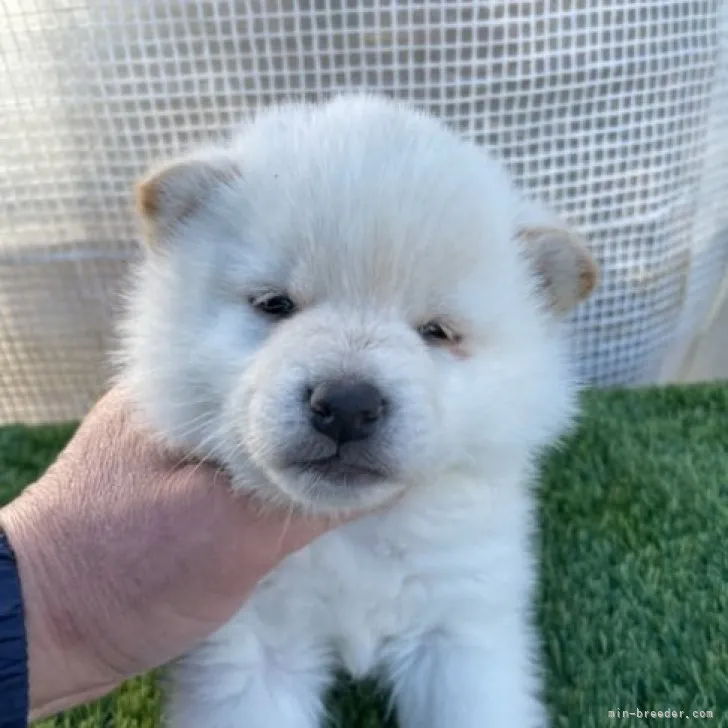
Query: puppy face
point(347, 301)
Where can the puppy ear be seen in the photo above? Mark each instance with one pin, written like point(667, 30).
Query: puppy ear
point(173, 191)
point(567, 272)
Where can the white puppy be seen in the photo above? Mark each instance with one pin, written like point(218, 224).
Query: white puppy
point(343, 303)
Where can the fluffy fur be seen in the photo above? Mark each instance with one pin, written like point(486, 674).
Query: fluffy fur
point(375, 220)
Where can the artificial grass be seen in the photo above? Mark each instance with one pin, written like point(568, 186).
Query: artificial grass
point(634, 600)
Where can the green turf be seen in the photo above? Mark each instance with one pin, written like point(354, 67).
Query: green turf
point(634, 607)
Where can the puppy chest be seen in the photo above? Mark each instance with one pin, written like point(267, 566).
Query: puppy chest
point(363, 595)
point(366, 615)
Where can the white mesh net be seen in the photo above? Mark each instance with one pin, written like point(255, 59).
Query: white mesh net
point(613, 111)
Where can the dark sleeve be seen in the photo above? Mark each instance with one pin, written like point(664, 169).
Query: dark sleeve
point(13, 644)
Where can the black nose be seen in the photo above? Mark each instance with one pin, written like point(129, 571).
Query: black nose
point(346, 410)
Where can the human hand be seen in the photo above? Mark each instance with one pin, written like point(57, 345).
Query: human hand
point(129, 555)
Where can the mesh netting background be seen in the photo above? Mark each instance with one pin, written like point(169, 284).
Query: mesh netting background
point(616, 113)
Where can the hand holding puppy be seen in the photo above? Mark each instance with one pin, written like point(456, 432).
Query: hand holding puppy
point(128, 556)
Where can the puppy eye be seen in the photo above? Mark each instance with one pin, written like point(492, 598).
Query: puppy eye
point(274, 304)
point(436, 332)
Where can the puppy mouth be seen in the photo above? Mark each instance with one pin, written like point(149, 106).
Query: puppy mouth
point(335, 469)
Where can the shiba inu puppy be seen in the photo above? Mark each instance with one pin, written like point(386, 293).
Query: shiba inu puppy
point(346, 304)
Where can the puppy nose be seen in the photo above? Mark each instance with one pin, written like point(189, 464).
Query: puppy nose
point(345, 410)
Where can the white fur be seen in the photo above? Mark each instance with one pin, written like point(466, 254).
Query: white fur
point(375, 219)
